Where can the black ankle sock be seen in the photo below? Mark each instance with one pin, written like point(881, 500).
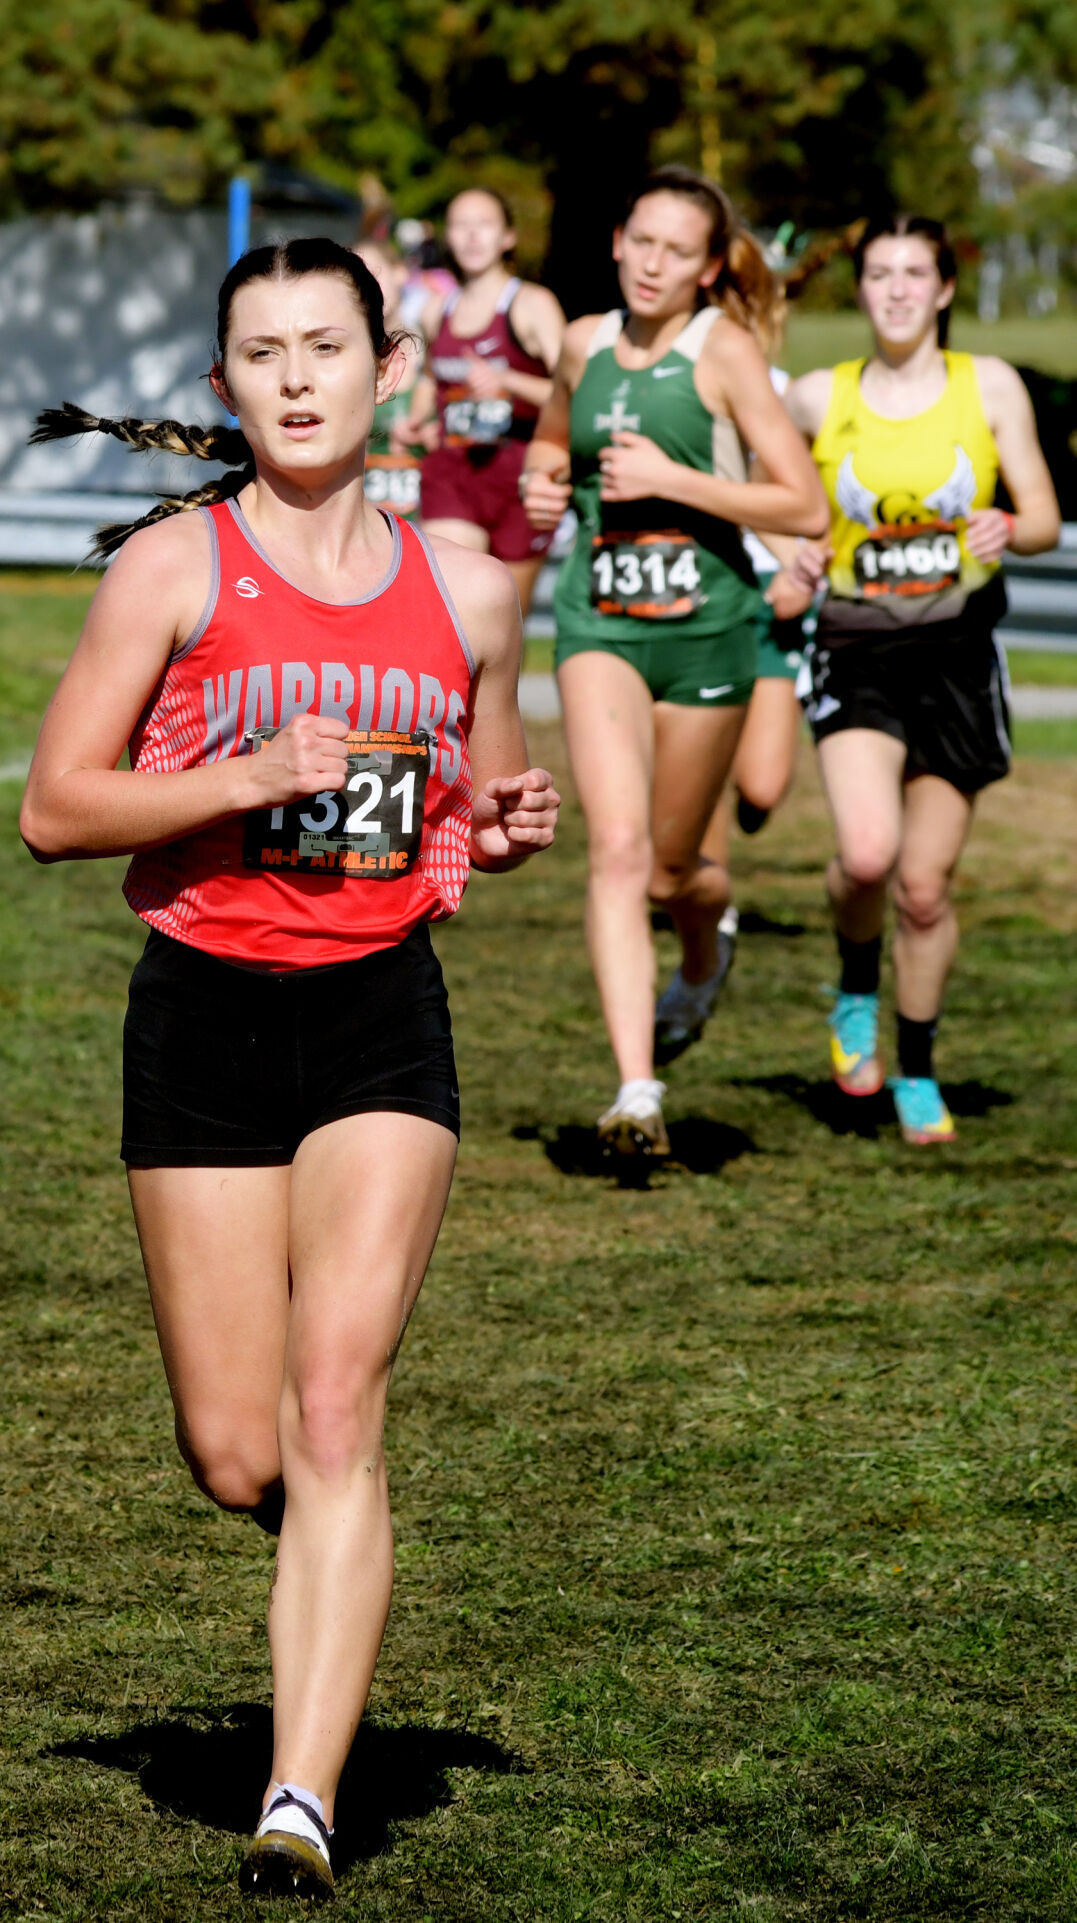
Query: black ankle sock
point(270, 1512)
point(859, 965)
point(750, 818)
point(915, 1041)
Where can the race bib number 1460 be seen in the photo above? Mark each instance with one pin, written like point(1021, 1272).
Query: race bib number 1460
point(369, 830)
point(908, 560)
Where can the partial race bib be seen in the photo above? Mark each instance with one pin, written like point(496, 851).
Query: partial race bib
point(654, 577)
point(392, 480)
point(369, 830)
point(906, 561)
point(472, 423)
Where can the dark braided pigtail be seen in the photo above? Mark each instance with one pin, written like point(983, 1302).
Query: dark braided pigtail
point(114, 534)
point(225, 444)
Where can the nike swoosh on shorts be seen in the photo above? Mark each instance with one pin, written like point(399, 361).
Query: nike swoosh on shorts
point(827, 706)
point(711, 694)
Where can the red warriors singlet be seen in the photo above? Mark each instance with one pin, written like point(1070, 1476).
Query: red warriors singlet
point(338, 875)
point(465, 421)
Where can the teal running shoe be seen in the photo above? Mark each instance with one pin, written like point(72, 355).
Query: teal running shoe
point(854, 1032)
point(921, 1111)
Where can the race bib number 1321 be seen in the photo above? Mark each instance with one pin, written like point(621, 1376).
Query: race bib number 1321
point(369, 830)
point(652, 576)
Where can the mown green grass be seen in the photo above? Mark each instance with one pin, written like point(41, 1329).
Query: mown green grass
point(821, 340)
point(735, 1514)
point(1030, 668)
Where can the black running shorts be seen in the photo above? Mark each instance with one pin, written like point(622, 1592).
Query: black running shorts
point(945, 699)
point(229, 1066)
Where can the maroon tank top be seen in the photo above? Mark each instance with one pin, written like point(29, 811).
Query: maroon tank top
point(465, 421)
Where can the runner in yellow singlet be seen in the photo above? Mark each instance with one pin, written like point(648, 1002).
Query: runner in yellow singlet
point(906, 685)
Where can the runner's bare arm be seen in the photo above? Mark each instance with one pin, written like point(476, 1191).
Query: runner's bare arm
point(539, 326)
point(515, 806)
point(545, 485)
point(807, 399)
point(78, 803)
point(422, 407)
point(732, 378)
point(788, 595)
point(422, 410)
point(1035, 523)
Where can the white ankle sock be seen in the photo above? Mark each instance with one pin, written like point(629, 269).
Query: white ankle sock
point(295, 1818)
point(632, 1091)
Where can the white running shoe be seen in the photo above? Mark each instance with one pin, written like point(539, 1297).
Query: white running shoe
point(634, 1125)
point(289, 1854)
point(684, 1008)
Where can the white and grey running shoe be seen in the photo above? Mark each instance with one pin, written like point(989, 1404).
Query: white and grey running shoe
point(684, 1008)
point(289, 1854)
point(634, 1125)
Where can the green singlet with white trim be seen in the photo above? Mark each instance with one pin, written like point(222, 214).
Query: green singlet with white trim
point(392, 480)
point(652, 570)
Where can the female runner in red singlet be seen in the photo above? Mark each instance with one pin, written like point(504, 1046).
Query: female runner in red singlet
point(321, 711)
point(493, 345)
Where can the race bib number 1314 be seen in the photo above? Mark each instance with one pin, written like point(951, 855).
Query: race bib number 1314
point(654, 577)
point(369, 830)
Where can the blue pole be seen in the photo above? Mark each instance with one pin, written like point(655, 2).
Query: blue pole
point(239, 228)
point(239, 217)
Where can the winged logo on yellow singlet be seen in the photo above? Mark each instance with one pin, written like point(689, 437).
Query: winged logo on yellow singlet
point(950, 502)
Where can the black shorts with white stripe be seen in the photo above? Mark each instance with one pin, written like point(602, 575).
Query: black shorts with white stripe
point(946, 699)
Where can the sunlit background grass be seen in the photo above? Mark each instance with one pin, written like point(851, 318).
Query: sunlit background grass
point(735, 1514)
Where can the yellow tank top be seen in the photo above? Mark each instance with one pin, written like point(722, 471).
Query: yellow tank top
point(900, 493)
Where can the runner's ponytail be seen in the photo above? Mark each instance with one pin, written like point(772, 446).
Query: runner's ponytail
point(749, 292)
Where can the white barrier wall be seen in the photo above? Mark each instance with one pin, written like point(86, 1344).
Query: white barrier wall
point(115, 310)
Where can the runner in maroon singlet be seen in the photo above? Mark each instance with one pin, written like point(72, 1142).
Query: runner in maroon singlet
point(493, 344)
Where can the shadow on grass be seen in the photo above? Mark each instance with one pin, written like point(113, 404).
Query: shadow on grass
point(864, 1115)
point(751, 923)
point(697, 1145)
point(212, 1765)
point(754, 923)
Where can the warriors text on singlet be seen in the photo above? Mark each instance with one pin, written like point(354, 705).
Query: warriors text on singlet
point(338, 875)
point(466, 421)
point(900, 493)
point(640, 562)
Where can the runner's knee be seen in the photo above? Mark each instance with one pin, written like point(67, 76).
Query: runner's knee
point(333, 1414)
point(766, 789)
point(672, 878)
point(866, 856)
point(233, 1470)
point(922, 899)
point(620, 852)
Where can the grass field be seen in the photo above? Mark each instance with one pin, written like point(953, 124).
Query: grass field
point(820, 340)
point(735, 1514)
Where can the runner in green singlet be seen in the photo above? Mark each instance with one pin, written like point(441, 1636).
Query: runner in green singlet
point(393, 474)
point(658, 613)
